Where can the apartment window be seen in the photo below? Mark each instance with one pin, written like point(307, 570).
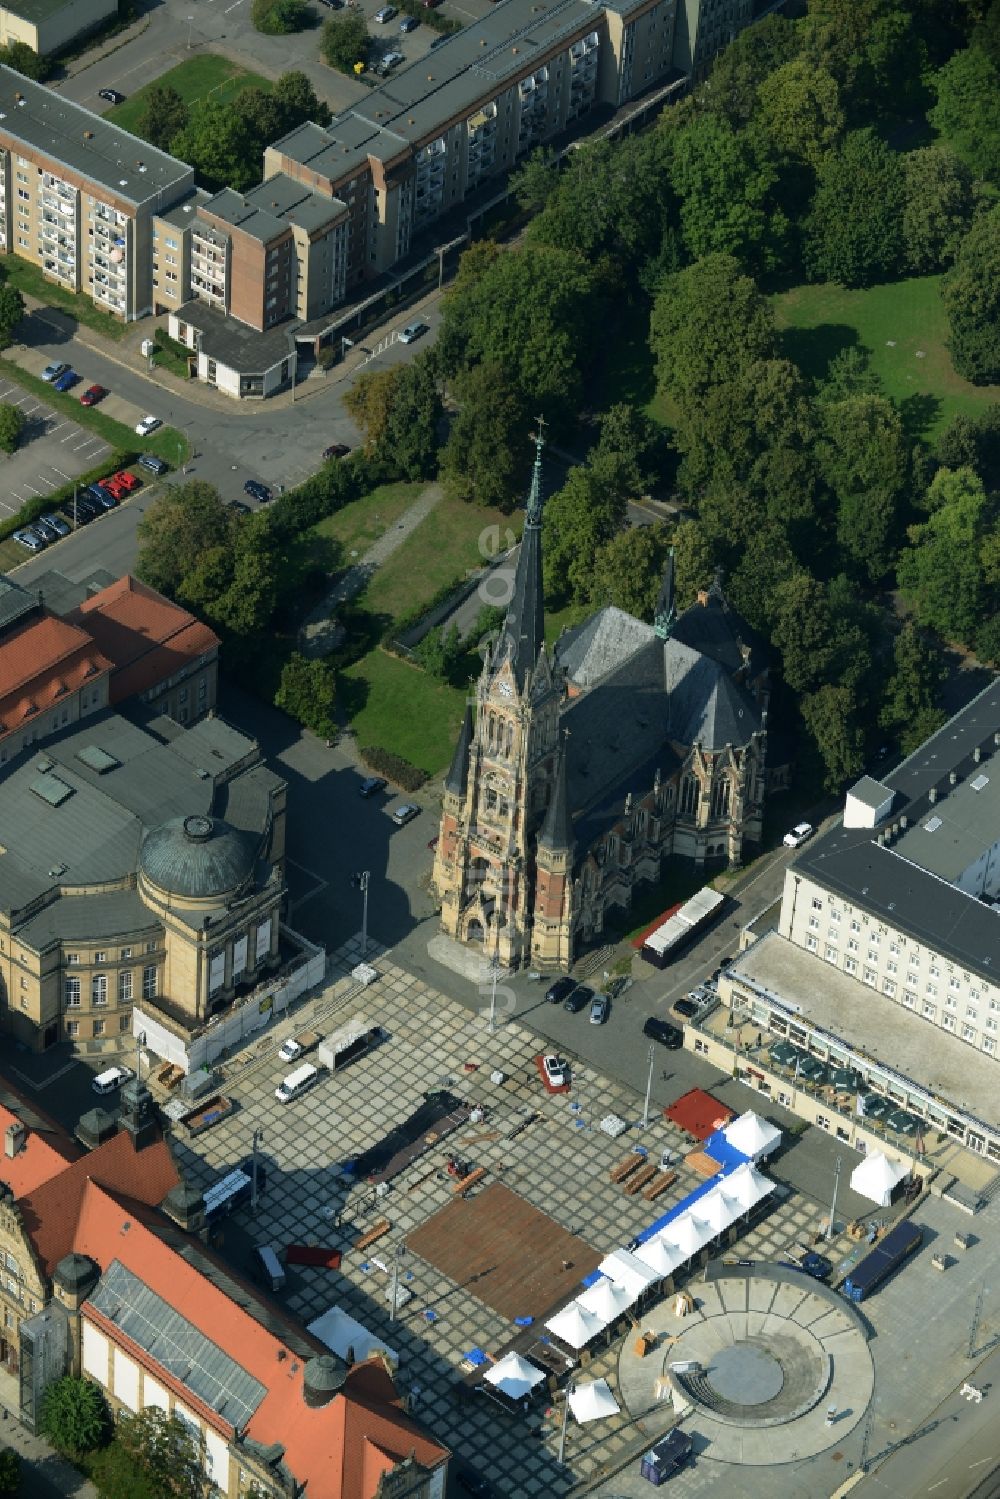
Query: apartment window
point(891, 968)
point(894, 948)
point(126, 953)
point(951, 1001)
point(970, 1012)
point(811, 944)
point(72, 1029)
point(968, 1034)
point(813, 924)
point(171, 244)
point(99, 1027)
point(991, 1025)
point(850, 965)
point(855, 927)
point(852, 944)
point(870, 976)
point(989, 1044)
point(99, 989)
point(125, 987)
point(954, 983)
point(817, 905)
point(123, 1023)
point(71, 993)
point(948, 1021)
point(100, 957)
point(888, 987)
point(23, 194)
point(873, 955)
point(831, 954)
point(149, 982)
point(24, 982)
point(929, 1012)
point(934, 972)
point(909, 998)
point(834, 915)
point(931, 989)
point(151, 946)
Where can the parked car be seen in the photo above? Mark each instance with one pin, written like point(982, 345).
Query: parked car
point(800, 832)
point(616, 987)
point(558, 991)
point(257, 491)
point(41, 525)
point(86, 509)
point(335, 450)
point(386, 14)
point(685, 1007)
point(57, 524)
point(578, 1000)
point(53, 371)
point(600, 1009)
point(556, 1071)
point(662, 1031)
point(30, 539)
point(66, 381)
point(112, 487)
point(147, 425)
point(389, 61)
point(102, 496)
point(816, 1265)
point(413, 331)
point(126, 480)
point(238, 507)
point(432, 5)
point(408, 23)
point(92, 395)
point(152, 463)
point(372, 785)
point(404, 813)
point(111, 95)
point(107, 1082)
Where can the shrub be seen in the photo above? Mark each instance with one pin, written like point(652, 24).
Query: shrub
point(394, 767)
point(279, 17)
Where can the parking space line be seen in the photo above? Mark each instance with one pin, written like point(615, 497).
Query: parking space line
point(34, 491)
point(69, 436)
point(29, 409)
point(67, 478)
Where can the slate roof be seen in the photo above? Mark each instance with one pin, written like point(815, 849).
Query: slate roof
point(717, 630)
point(706, 706)
point(111, 913)
point(557, 829)
point(594, 648)
point(15, 601)
point(458, 775)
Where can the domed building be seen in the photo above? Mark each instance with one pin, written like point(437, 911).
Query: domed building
point(141, 882)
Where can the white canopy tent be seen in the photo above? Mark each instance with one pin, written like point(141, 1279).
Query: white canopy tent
point(689, 1233)
point(747, 1186)
point(661, 1256)
point(341, 1333)
point(627, 1270)
point(877, 1177)
point(593, 1402)
point(752, 1136)
point(605, 1300)
point(575, 1327)
point(514, 1376)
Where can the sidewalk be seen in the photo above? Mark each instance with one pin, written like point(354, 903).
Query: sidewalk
point(44, 1472)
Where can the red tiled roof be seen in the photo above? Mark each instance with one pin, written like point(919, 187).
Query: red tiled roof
point(337, 1450)
point(51, 1209)
point(32, 1166)
point(146, 637)
point(42, 661)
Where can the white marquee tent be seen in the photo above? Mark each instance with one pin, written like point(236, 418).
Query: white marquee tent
point(605, 1300)
point(340, 1333)
point(574, 1326)
point(752, 1136)
point(662, 1257)
point(514, 1376)
point(593, 1402)
point(877, 1177)
point(747, 1186)
point(627, 1270)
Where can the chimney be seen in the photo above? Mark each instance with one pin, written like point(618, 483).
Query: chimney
point(953, 778)
point(322, 1378)
point(15, 1138)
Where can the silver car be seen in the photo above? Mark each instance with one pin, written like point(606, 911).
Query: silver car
point(600, 1009)
point(404, 813)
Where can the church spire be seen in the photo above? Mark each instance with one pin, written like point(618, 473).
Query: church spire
point(557, 830)
point(666, 612)
point(524, 627)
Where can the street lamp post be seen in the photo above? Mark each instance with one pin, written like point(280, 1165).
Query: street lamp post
point(360, 879)
point(833, 1205)
point(565, 1422)
point(397, 1255)
point(190, 24)
point(649, 1087)
point(258, 1139)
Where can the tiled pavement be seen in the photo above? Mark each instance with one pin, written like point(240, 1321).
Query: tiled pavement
point(560, 1163)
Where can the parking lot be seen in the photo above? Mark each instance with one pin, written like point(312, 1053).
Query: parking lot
point(53, 451)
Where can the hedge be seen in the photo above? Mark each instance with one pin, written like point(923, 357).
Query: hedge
point(446, 25)
point(32, 509)
point(394, 767)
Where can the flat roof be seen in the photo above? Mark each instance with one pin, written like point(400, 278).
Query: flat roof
point(183, 212)
point(240, 213)
point(296, 204)
point(476, 64)
point(36, 10)
point(236, 345)
point(906, 881)
point(128, 168)
point(15, 601)
point(872, 1027)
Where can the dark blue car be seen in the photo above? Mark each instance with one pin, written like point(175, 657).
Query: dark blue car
point(66, 381)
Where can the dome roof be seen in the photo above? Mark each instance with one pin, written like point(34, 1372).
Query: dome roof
point(197, 856)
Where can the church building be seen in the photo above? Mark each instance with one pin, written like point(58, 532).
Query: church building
point(586, 766)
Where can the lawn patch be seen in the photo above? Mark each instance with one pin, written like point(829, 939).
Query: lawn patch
point(31, 282)
point(904, 328)
point(197, 80)
point(165, 442)
point(402, 709)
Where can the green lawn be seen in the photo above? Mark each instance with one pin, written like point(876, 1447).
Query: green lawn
point(904, 328)
point(450, 541)
point(358, 525)
point(166, 442)
point(31, 282)
point(404, 710)
point(204, 76)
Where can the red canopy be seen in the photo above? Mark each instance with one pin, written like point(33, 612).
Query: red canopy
point(698, 1114)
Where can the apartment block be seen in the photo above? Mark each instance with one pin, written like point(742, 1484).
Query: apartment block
point(704, 27)
point(48, 26)
point(78, 195)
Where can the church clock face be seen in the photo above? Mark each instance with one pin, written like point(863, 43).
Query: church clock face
point(505, 689)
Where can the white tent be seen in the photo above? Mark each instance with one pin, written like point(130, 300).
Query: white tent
point(689, 1233)
point(877, 1177)
point(662, 1257)
point(574, 1326)
point(626, 1269)
point(747, 1186)
point(605, 1300)
point(340, 1332)
point(514, 1376)
point(752, 1136)
point(717, 1211)
point(593, 1402)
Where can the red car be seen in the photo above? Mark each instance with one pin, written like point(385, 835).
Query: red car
point(126, 480)
point(116, 490)
point(92, 395)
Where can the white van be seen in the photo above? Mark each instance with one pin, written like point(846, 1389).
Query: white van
point(267, 1268)
point(107, 1082)
point(296, 1082)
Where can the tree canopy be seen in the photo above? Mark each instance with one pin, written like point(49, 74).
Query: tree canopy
point(972, 301)
point(345, 40)
point(854, 228)
point(75, 1415)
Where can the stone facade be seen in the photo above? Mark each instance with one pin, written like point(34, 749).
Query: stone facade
point(585, 767)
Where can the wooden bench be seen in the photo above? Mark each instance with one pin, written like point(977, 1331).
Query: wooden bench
point(637, 1181)
point(374, 1234)
point(468, 1181)
point(663, 1180)
point(626, 1167)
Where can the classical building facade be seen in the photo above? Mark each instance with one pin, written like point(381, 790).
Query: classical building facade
point(584, 767)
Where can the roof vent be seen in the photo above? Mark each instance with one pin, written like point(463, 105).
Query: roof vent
point(980, 783)
point(932, 795)
point(932, 825)
point(953, 778)
point(14, 1138)
point(322, 1378)
point(977, 754)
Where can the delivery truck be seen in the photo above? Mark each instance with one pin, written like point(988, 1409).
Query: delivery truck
point(886, 1257)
